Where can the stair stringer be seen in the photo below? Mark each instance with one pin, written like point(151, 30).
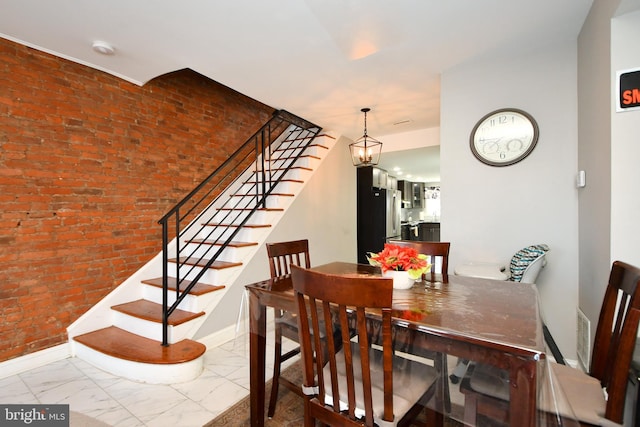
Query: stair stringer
point(102, 316)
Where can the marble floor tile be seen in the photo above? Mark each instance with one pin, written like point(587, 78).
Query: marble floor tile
point(14, 391)
point(186, 414)
point(123, 403)
point(145, 401)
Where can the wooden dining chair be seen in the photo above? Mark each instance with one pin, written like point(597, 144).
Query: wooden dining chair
point(438, 253)
point(355, 384)
point(281, 256)
point(579, 394)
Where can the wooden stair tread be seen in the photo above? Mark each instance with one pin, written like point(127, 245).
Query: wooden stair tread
point(308, 156)
point(198, 289)
point(270, 194)
point(300, 148)
point(217, 265)
point(281, 169)
point(217, 224)
point(125, 345)
point(147, 310)
point(249, 209)
point(233, 244)
point(254, 182)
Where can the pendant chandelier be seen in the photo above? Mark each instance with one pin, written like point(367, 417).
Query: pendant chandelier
point(366, 150)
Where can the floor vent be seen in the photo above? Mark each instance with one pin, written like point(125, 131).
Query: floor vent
point(584, 340)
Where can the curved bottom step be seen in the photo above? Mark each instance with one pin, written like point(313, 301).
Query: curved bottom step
point(131, 356)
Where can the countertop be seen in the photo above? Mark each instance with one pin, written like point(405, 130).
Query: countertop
point(414, 223)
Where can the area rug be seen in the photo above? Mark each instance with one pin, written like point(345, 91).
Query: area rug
point(289, 409)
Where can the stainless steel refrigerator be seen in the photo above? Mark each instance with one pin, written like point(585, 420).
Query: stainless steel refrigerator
point(394, 204)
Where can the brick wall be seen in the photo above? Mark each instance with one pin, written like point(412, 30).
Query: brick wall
point(88, 164)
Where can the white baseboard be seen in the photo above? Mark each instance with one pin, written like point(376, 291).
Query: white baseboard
point(34, 360)
point(573, 363)
point(240, 329)
point(220, 337)
point(53, 354)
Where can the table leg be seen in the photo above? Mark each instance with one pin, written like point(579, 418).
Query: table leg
point(523, 396)
point(257, 344)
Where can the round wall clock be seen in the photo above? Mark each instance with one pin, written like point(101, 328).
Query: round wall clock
point(504, 137)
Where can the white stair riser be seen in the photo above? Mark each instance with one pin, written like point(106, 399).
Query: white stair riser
point(142, 372)
point(236, 217)
point(154, 294)
point(281, 187)
point(305, 162)
point(229, 254)
point(191, 303)
point(148, 329)
point(245, 234)
point(212, 276)
point(313, 150)
point(272, 201)
point(297, 173)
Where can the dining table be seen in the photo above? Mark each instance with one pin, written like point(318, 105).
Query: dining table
point(486, 321)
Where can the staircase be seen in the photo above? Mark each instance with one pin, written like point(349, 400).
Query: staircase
point(143, 329)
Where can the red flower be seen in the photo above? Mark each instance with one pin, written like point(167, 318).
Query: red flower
point(400, 258)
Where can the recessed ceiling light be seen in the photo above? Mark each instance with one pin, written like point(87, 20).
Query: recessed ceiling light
point(103, 48)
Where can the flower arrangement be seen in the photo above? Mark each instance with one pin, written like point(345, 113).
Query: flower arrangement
point(400, 258)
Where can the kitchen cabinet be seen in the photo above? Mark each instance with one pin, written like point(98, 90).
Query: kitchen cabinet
point(417, 198)
point(392, 182)
point(406, 191)
point(405, 232)
point(429, 231)
point(423, 231)
point(379, 177)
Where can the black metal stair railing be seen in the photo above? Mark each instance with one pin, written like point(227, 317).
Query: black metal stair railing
point(192, 239)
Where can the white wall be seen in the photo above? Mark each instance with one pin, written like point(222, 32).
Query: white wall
point(594, 157)
point(488, 213)
point(324, 213)
point(608, 149)
point(625, 146)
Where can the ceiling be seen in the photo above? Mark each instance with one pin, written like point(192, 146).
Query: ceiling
point(415, 165)
point(323, 60)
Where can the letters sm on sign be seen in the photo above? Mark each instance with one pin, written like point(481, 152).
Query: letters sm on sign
point(628, 95)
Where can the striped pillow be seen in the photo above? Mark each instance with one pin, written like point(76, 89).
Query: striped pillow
point(523, 258)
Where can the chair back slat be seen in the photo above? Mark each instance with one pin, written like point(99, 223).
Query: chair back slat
point(342, 301)
point(616, 336)
point(434, 250)
point(283, 254)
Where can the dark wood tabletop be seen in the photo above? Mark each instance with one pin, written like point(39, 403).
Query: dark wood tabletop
point(484, 320)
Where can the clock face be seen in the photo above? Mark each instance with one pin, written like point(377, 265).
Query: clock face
point(504, 137)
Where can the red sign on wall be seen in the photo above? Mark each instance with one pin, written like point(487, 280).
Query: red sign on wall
point(628, 90)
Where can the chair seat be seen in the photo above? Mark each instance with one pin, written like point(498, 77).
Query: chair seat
point(289, 323)
point(410, 382)
point(576, 394)
point(490, 381)
point(583, 394)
